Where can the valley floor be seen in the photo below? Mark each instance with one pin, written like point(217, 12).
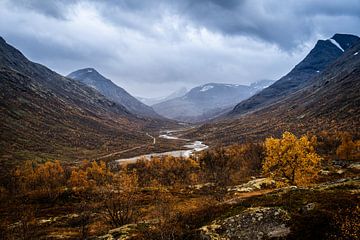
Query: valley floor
point(255, 209)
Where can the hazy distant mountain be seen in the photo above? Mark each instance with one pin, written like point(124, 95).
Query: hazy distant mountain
point(92, 78)
point(321, 56)
point(260, 85)
point(46, 114)
point(207, 101)
point(152, 101)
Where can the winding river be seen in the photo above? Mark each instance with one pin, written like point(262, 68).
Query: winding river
point(192, 147)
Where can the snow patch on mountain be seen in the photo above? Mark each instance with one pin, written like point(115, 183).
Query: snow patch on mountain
point(333, 41)
point(206, 88)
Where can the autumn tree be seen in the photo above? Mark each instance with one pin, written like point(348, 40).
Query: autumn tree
point(348, 149)
point(119, 199)
point(166, 170)
point(99, 172)
point(291, 160)
point(79, 181)
point(41, 179)
point(216, 164)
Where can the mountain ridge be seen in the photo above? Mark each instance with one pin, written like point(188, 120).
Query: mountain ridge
point(46, 115)
point(207, 101)
point(109, 89)
point(330, 103)
point(321, 56)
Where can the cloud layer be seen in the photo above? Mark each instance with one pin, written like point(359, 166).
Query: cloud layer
point(156, 46)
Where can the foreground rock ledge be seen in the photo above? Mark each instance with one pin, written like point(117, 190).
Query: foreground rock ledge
point(253, 223)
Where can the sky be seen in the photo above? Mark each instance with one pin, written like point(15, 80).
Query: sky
point(154, 47)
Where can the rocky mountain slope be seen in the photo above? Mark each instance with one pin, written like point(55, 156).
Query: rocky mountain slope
point(44, 114)
point(331, 102)
point(320, 57)
point(207, 101)
point(94, 79)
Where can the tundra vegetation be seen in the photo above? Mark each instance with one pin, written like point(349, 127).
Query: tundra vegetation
point(172, 198)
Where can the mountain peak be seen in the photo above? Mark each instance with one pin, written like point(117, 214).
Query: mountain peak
point(94, 79)
point(324, 53)
point(343, 41)
point(88, 73)
point(89, 69)
point(2, 41)
point(85, 71)
point(344, 35)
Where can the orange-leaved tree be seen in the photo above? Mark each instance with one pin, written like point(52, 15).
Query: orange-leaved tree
point(46, 179)
point(348, 149)
point(291, 160)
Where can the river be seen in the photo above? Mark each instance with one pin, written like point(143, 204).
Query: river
point(192, 147)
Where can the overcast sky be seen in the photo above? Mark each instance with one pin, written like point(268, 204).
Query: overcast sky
point(153, 47)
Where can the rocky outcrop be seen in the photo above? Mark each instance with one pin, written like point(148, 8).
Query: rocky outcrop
point(253, 185)
point(120, 233)
point(253, 223)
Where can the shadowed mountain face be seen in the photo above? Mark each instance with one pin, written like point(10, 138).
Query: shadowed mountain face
point(330, 102)
point(320, 57)
point(207, 101)
point(92, 78)
point(45, 114)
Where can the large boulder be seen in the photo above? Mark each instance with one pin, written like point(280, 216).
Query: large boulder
point(253, 223)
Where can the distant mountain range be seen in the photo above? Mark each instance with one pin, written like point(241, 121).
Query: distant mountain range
point(152, 101)
point(320, 57)
point(106, 87)
point(207, 101)
point(322, 93)
point(46, 115)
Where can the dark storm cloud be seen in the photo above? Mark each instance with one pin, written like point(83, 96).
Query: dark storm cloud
point(285, 23)
point(152, 47)
point(50, 8)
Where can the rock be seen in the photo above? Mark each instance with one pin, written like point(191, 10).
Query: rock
point(120, 233)
point(253, 223)
point(281, 231)
point(324, 172)
point(253, 185)
point(355, 166)
point(309, 207)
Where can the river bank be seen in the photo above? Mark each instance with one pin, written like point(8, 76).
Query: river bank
point(191, 148)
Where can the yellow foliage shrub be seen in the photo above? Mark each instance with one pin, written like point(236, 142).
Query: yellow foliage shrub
point(348, 149)
point(291, 160)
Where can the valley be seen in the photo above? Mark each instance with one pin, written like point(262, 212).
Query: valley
point(245, 124)
point(191, 148)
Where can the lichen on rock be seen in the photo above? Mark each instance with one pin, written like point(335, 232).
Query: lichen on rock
point(253, 223)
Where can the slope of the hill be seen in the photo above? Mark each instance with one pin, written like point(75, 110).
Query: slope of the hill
point(320, 57)
point(44, 114)
point(105, 86)
point(330, 103)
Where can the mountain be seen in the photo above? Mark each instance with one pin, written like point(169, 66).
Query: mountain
point(320, 57)
point(179, 93)
point(260, 85)
point(46, 115)
point(207, 101)
point(92, 78)
point(152, 101)
point(330, 102)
